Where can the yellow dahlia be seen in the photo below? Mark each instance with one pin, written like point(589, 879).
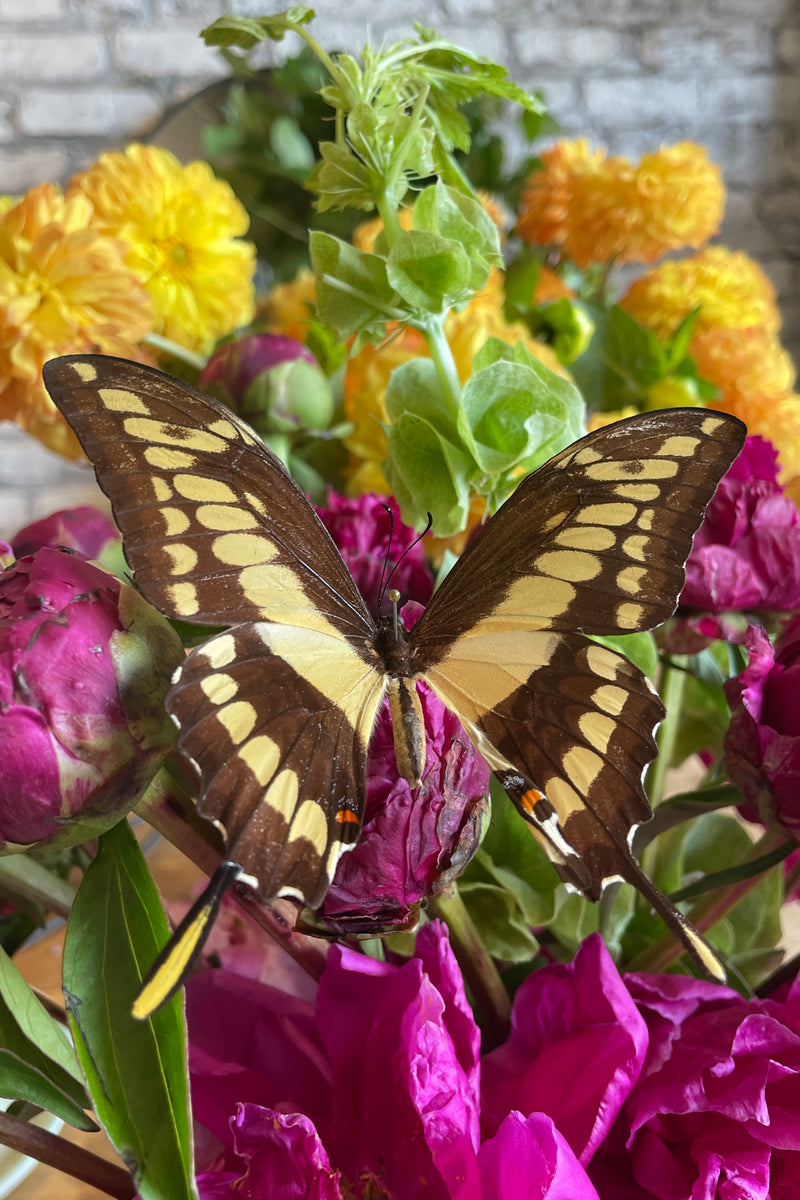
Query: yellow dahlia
point(64, 289)
point(183, 229)
point(600, 208)
point(730, 288)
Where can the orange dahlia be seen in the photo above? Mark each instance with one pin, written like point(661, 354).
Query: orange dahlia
point(64, 289)
point(601, 208)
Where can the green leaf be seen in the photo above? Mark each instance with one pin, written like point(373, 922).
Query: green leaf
point(37, 1062)
point(247, 32)
point(462, 219)
point(427, 474)
point(500, 922)
point(340, 180)
point(428, 271)
point(135, 1070)
point(622, 363)
point(353, 291)
point(518, 414)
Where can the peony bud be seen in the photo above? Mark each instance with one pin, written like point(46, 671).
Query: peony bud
point(85, 663)
point(85, 529)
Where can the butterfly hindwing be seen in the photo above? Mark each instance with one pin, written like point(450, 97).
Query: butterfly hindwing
point(277, 722)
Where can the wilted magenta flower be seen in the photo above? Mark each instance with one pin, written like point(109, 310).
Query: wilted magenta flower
point(414, 841)
point(84, 666)
point(762, 743)
point(746, 554)
point(714, 1112)
point(84, 529)
point(365, 533)
point(576, 1048)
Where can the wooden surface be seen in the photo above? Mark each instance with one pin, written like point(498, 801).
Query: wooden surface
point(41, 966)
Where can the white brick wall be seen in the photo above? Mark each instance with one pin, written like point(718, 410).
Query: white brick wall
point(81, 76)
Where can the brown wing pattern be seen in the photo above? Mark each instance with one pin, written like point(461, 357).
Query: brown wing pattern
point(215, 530)
point(276, 722)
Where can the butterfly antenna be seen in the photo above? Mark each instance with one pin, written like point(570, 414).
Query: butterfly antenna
point(407, 551)
point(384, 579)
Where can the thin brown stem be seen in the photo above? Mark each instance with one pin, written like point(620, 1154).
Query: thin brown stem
point(65, 1156)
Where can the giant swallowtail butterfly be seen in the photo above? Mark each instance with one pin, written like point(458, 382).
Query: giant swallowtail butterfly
point(276, 713)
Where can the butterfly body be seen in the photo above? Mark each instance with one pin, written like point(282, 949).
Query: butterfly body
point(277, 711)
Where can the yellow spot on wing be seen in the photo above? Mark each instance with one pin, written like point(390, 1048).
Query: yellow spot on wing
point(479, 672)
point(573, 565)
point(225, 517)
point(243, 549)
point(606, 514)
point(597, 729)
point(121, 400)
point(262, 756)
point(587, 537)
point(682, 446)
point(184, 558)
point(161, 490)
point(86, 372)
point(582, 766)
point(176, 521)
point(611, 699)
point(281, 796)
point(220, 651)
point(602, 662)
point(177, 436)
point(238, 718)
point(184, 598)
point(642, 492)
point(635, 546)
point(643, 468)
point(629, 616)
point(168, 460)
point(219, 688)
point(564, 799)
point(629, 579)
point(311, 824)
point(209, 491)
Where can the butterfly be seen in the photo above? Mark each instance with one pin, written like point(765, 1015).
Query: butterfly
point(276, 712)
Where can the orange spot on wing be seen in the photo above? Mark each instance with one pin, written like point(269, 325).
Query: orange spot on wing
point(346, 817)
point(530, 799)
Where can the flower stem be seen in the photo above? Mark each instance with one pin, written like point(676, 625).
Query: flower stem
point(166, 346)
point(673, 681)
point(708, 911)
point(22, 876)
point(480, 974)
point(73, 1160)
point(442, 356)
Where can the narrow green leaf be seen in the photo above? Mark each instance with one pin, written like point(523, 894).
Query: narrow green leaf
point(135, 1070)
point(22, 1079)
point(34, 1020)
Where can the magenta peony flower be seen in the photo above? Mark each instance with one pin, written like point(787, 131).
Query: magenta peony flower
point(576, 1048)
point(84, 529)
point(414, 841)
point(372, 1092)
point(714, 1112)
point(746, 554)
point(762, 743)
point(84, 666)
point(365, 534)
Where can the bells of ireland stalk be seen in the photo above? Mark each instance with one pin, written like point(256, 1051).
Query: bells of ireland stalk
point(85, 663)
point(279, 388)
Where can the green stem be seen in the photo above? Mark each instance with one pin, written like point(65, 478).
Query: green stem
point(65, 1156)
point(166, 346)
point(707, 912)
point(673, 682)
point(480, 974)
point(442, 356)
point(24, 877)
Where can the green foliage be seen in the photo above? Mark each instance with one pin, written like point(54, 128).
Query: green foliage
point(37, 1062)
point(135, 1070)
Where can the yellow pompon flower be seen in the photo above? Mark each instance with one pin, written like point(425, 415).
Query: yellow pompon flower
point(600, 208)
point(730, 288)
point(779, 420)
point(64, 289)
point(289, 307)
point(367, 374)
point(550, 286)
point(183, 228)
point(597, 420)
